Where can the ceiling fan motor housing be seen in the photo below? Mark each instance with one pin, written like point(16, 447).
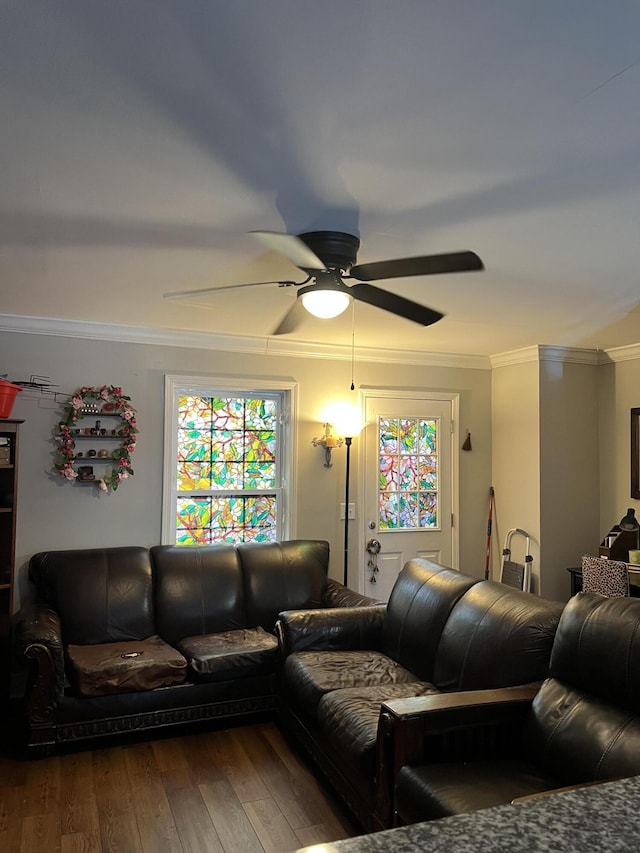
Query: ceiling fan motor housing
point(335, 249)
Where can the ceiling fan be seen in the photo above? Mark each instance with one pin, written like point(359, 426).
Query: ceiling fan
point(328, 259)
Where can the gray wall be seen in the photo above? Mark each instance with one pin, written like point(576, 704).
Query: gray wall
point(560, 446)
point(618, 393)
point(55, 514)
point(569, 471)
point(545, 461)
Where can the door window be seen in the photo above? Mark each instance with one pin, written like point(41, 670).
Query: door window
point(408, 479)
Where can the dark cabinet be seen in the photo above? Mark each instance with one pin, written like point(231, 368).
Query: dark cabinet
point(9, 435)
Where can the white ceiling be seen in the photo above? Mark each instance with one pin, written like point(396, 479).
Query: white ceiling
point(142, 140)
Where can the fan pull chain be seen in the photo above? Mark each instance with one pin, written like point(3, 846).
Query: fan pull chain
point(353, 341)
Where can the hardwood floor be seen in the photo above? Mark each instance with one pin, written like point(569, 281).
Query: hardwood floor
point(231, 790)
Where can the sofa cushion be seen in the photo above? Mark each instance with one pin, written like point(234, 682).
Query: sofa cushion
point(102, 595)
point(278, 576)
point(198, 590)
point(574, 736)
point(597, 648)
point(230, 654)
point(496, 636)
point(349, 719)
point(419, 606)
point(308, 676)
point(433, 791)
point(106, 668)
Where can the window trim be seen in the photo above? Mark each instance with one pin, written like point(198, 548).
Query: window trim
point(176, 385)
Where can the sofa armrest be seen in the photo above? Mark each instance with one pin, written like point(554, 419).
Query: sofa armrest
point(446, 727)
point(453, 726)
point(330, 629)
point(448, 711)
point(38, 638)
point(339, 595)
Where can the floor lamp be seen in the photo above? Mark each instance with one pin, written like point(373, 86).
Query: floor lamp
point(351, 424)
point(347, 440)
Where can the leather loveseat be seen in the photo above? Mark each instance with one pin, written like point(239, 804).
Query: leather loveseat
point(582, 726)
point(442, 632)
point(130, 638)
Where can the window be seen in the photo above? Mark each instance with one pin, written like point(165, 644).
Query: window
point(227, 458)
point(408, 479)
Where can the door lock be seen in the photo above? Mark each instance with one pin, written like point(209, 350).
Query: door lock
point(373, 548)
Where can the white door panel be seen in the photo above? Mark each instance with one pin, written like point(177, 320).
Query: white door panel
point(404, 534)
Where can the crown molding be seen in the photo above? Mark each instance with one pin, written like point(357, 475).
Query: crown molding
point(626, 353)
point(307, 349)
point(233, 343)
point(570, 355)
point(518, 356)
point(542, 352)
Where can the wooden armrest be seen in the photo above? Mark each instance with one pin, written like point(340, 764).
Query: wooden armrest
point(457, 705)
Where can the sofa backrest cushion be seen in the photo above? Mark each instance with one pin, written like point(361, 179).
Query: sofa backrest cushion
point(575, 737)
point(198, 590)
point(102, 595)
point(584, 723)
point(419, 606)
point(597, 648)
point(279, 576)
point(496, 636)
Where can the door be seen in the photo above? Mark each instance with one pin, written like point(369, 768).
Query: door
point(410, 484)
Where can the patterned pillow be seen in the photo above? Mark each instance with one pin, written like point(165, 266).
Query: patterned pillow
point(605, 577)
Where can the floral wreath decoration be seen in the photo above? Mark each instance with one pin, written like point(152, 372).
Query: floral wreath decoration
point(105, 399)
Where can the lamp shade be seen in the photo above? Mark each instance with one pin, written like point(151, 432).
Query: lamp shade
point(629, 521)
point(346, 419)
point(325, 303)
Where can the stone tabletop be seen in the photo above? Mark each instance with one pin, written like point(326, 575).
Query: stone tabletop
point(599, 819)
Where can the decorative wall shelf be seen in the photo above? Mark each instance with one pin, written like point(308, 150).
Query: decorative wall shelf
point(102, 415)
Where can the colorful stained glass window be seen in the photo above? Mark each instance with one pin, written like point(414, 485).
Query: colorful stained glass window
point(408, 478)
point(227, 469)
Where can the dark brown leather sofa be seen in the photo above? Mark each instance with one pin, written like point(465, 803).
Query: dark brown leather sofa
point(124, 639)
point(582, 726)
point(442, 632)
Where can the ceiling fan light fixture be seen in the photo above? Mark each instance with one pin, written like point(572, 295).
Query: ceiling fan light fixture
point(326, 256)
point(325, 302)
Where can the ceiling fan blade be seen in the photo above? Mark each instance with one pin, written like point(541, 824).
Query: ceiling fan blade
point(395, 304)
point(292, 247)
point(291, 319)
point(209, 291)
point(426, 265)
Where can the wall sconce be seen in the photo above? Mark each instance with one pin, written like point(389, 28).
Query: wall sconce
point(327, 441)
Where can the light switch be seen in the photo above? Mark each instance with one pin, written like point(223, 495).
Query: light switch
point(352, 511)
